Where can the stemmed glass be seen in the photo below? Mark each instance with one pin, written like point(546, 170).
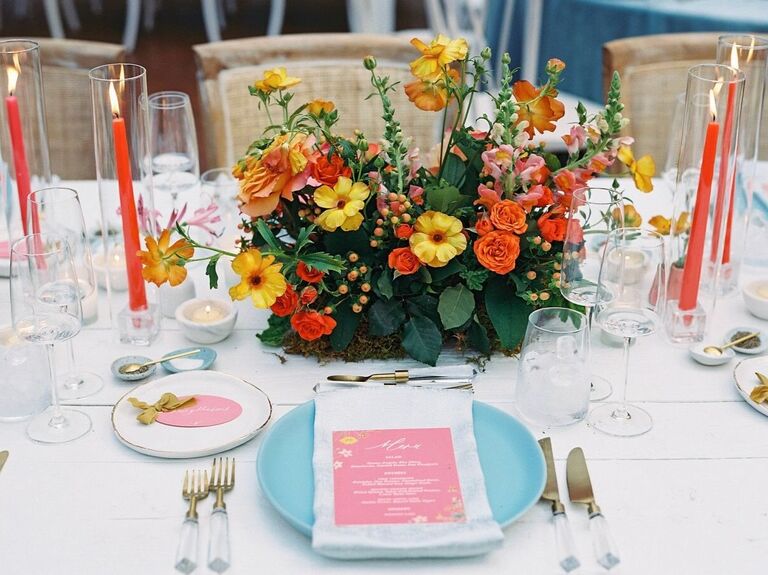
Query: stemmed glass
point(45, 307)
point(593, 214)
point(173, 143)
point(633, 270)
point(57, 211)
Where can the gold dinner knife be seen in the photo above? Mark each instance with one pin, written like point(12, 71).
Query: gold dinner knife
point(580, 490)
point(563, 537)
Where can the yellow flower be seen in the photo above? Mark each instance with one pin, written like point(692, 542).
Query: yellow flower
point(275, 79)
point(342, 205)
point(316, 107)
point(161, 263)
point(632, 218)
point(430, 95)
point(438, 239)
point(663, 225)
point(434, 57)
point(260, 278)
point(642, 170)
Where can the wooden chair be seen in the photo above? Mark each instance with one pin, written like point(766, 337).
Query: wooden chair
point(331, 68)
point(65, 65)
point(654, 70)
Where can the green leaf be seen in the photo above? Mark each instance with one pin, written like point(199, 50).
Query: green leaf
point(446, 199)
point(323, 262)
point(341, 243)
point(456, 306)
point(385, 317)
point(453, 169)
point(478, 337)
point(274, 334)
point(210, 271)
point(267, 235)
point(346, 326)
point(422, 340)
point(452, 267)
point(553, 163)
point(384, 285)
point(424, 305)
point(508, 313)
point(582, 111)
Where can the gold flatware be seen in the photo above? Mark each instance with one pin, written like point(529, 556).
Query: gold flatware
point(194, 489)
point(566, 556)
point(718, 350)
point(398, 376)
point(3, 458)
point(222, 479)
point(129, 368)
point(580, 491)
point(440, 384)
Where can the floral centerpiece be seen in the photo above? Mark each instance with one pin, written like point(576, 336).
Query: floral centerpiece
point(368, 249)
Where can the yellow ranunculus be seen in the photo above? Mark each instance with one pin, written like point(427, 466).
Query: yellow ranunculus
point(434, 57)
point(316, 107)
point(163, 263)
point(342, 205)
point(642, 170)
point(438, 238)
point(276, 79)
point(260, 278)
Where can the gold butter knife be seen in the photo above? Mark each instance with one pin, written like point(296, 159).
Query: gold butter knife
point(3, 458)
point(566, 556)
point(580, 490)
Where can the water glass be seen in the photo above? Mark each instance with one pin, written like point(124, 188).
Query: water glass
point(25, 387)
point(553, 377)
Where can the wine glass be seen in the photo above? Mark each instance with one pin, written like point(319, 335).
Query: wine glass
point(173, 143)
point(593, 213)
point(634, 270)
point(45, 307)
point(57, 211)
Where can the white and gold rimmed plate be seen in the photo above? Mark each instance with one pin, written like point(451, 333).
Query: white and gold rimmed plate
point(746, 380)
point(173, 442)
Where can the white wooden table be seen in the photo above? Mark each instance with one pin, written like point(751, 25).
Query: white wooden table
point(688, 497)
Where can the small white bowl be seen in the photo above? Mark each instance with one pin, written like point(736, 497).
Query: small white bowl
point(748, 350)
point(697, 353)
point(755, 296)
point(206, 332)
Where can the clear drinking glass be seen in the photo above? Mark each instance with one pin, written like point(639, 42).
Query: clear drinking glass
point(633, 270)
point(58, 211)
point(593, 214)
point(221, 187)
point(553, 378)
point(173, 143)
point(45, 307)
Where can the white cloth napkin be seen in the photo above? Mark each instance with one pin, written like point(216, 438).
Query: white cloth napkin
point(401, 408)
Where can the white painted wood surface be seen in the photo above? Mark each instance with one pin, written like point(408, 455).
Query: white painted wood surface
point(686, 498)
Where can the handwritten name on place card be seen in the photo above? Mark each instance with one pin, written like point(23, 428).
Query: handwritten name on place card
point(207, 410)
point(395, 476)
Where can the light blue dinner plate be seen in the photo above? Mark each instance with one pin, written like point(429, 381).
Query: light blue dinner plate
point(511, 459)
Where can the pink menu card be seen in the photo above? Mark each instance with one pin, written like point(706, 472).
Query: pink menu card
point(395, 476)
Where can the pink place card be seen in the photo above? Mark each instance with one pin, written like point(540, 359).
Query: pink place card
point(395, 476)
point(207, 410)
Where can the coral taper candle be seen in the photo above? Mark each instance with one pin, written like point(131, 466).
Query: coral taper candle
point(689, 289)
point(137, 294)
point(17, 145)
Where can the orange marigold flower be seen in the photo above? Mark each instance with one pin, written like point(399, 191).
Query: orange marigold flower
point(404, 261)
point(437, 55)
point(311, 325)
point(163, 263)
point(317, 107)
point(509, 216)
point(539, 111)
point(287, 303)
point(308, 274)
point(498, 251)
point(552, 226)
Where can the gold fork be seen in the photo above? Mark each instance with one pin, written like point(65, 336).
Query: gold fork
point(194, 489)
point(222, 479)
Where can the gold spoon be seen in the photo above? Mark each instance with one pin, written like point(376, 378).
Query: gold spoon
point(130, 368)
point(716, 351)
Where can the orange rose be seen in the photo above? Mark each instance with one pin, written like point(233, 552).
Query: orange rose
point(308, 274)
point(404, 231)
point(327, 172)
point(483, 225)
point(308, 295)
point(498, 251)
point(285, 304)
point(509, 216)
point(404, 261)
point(552, 226)
point(311, 325)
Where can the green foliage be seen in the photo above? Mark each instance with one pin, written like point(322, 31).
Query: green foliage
point(475, 279)
point(210, 271)
point(424, 305)
point(383, 286)
point(341, 243)
point(456, 305)
point(508, 313)
point(446, 199)
point(346, 326)
point(422, 339)
point(275, 332)
point(323, 262)
point(452, 267)
point(385, 317)
point(477, 336)
point(453, 169)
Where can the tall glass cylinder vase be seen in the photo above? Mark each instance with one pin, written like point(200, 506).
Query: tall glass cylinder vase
point(121, 128)
point(24, 160)
point(700, 225)
point(749, 205)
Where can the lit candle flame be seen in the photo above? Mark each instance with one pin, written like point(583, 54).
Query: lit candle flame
point(734, 57)
point(207, 310)
point(13, 74)
point(113, 101)
point(712, 105)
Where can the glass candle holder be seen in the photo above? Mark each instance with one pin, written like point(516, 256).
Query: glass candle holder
point(121, 128)
point(704, 179)
point(749, 204)
point(24, 159)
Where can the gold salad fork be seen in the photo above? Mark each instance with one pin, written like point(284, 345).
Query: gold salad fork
point(194, 489)
point(222, 479)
